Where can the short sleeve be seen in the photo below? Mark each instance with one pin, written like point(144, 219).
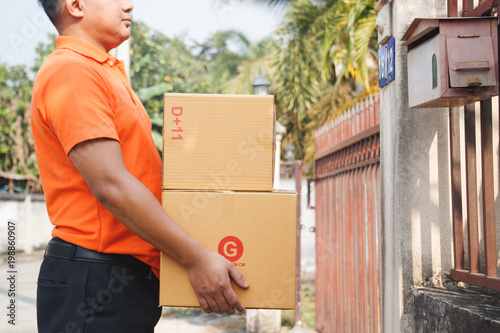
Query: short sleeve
point(78, 106)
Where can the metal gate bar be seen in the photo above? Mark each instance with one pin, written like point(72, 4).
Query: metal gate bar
point(481, 267)
point(348, 249)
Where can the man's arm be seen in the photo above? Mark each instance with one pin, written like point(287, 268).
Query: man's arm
point(100, 162)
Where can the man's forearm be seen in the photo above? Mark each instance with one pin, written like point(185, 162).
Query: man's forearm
point(138, 209)
point(101, 164)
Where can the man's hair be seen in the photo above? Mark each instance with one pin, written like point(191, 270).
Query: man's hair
point(52, 8)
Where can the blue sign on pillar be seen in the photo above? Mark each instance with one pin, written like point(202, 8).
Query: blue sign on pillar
point(386, 57)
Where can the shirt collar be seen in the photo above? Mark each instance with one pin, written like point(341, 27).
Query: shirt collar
point(83, 47)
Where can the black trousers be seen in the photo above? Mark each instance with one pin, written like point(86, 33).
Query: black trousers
point(82, 295)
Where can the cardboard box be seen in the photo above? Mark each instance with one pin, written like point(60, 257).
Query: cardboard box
point(218, 142)
point(254, 230)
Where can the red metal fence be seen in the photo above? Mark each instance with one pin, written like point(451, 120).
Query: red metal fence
point(473, 263)
point(348, 243)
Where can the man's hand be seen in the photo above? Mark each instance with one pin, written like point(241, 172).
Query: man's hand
point(211, 277)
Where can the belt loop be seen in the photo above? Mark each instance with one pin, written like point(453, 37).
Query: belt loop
point(72, 252)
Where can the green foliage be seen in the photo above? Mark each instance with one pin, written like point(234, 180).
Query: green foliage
point(43, 51)
point(257, 63)
point(160, 64)
point(297, 70)
point(319, 62)
point(351, 38)
point(16, 143)
point(17, 150)
point(224, 51)
point(308, 307)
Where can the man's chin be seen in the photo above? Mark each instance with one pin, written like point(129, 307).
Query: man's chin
point(123, 39)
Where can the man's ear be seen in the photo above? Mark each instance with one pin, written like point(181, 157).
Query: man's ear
point(74, 8)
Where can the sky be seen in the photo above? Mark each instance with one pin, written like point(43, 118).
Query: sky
point(24, 24)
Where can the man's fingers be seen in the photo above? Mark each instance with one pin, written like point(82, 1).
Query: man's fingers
point(229, 293)
point(204, 304)
point(212, 303)
point(238, 277)
point(233, 301)
point(222, 301)
point(225, 305)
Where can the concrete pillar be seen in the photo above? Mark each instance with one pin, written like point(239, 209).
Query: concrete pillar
point(414, 182)
point(263, 321)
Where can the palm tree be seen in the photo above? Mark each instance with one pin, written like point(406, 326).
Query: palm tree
point(257, 63)
point(322, 50)
point(224, 51)
point(273, 3)
point(347, 28)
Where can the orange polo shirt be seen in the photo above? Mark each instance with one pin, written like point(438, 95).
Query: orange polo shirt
point(83, 93)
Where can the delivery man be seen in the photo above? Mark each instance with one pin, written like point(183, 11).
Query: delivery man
point(101, 175)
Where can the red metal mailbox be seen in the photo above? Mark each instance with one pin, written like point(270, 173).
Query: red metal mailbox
point(451, 61)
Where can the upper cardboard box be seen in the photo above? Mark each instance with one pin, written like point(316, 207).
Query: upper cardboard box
point(218, 142)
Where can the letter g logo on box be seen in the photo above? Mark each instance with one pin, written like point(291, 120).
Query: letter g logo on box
point(231, 248)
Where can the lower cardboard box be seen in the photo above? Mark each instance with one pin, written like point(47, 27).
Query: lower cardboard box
point(256, 231)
